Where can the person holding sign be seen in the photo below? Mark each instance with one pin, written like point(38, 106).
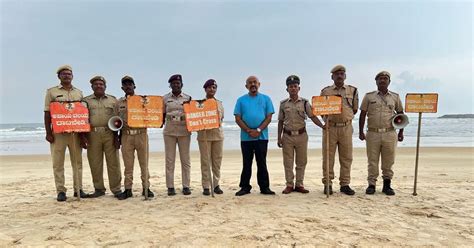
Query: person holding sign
point(292, 136)
point(211, 143)
point(101, 140)
point(132, 139)
point(340, 130)
point(60, 141)
point(175, 133)
point(379, 107)
point(253, 112)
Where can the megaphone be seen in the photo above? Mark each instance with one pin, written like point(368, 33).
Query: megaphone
point(115, 123)
point(400, 121)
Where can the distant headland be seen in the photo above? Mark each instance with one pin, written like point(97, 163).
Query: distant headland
point(457, 116)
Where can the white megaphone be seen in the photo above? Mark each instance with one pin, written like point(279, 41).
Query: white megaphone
point(115, 123)
point(400, 121)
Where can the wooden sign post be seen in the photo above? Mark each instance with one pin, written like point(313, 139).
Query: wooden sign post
point(420, 103)
point(203, 115)
point(70, 117)
point(327, 106)
point(145, 112)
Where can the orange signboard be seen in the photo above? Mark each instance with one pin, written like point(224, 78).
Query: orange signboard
point(145, 111)
point(327, 105)
point(69, 117)
point(421, 103)
point(201, 115)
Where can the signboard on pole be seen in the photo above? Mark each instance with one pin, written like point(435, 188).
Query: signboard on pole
point(421, 103)
point(326, 105)
point(201, 115)
point(69, 117)
point(145, 111)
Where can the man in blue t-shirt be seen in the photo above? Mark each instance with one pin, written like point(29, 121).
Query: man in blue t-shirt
point(253, 112)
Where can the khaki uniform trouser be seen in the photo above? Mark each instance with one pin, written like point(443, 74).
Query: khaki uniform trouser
point(130, 143)
point(211, 157)
point(380, 145)
point(58, 150)
point(340, 138)
point(184, 143)
point(295, 150)
point(101, 143)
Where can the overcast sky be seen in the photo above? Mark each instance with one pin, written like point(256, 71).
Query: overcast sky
point(426, 45)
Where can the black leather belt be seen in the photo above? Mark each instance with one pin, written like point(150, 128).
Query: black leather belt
point(295, 132)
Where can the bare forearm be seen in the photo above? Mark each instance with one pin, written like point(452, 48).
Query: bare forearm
point(265, 123)
point(241, 124)
point(47, 122)
point(362, 116)
point(316, 121)
point(280, 128)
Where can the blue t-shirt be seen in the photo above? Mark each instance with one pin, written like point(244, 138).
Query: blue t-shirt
point(253, 110)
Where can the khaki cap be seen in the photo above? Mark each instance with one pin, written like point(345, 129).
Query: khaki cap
point(338, 68)
point(382, 73)
point(64, 67)
point(95, 78)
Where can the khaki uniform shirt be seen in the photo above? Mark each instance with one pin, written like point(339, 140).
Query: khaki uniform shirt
point(100, 109)
point(216, 133)
point(60, 94)
point(380, 108)
point(175, 124)
point(350, 101)
point(294, 113)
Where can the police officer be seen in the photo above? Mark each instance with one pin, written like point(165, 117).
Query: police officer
point(65, 91)
point(340, 130)
point(381, 139)
point(175, 133)
point(211, 143)
point(132, 139)
point(101, 140)
point(292, 136)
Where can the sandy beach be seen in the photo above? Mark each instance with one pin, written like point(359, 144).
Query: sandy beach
point(441, 215)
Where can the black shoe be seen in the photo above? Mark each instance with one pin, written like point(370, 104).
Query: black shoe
point(218, 190)
point(97, 193)
point(206, 192)
point(242, 192)
point(386, 187)
point(150, 193)
point(171, 191)
point(81, 194)
point(186, 191)
point(116, 194)
point(370, 190)
point(347, 190)
point(61, 197)
point(267, 191)
point(326, 190)
point(126, 194)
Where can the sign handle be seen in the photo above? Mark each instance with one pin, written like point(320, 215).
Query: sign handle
point(208, 155)
point(74, 167)
point(417, 153)
point(327, 157)
point(147, 184)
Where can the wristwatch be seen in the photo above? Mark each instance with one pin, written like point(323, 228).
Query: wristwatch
point(259, 130)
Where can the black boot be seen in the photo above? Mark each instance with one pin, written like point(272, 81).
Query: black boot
point(347, 190)
point(81, 194)
point(124, 195)
point(370, 190)
point(386, 187)
point(150, 193)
